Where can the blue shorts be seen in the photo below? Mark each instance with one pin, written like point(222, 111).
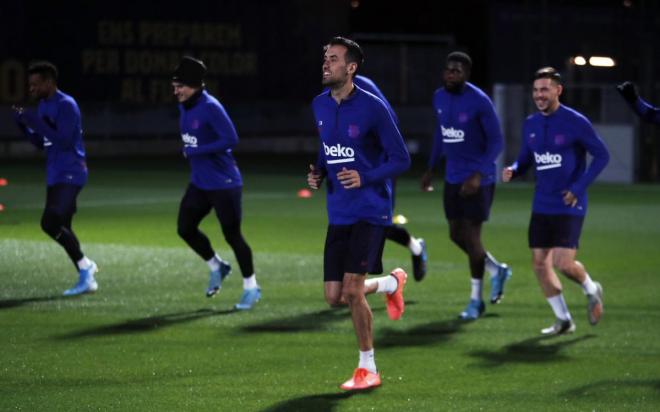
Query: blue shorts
point(356, 248)
point(548, 231)
point(475, 207)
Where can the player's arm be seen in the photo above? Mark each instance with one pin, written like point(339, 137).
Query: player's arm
point(490, 126)
point(601, 156)
point(522, 163)
point(396, 153)
point(646, 111)
point(62, 133)
point(434, 158)
point(224, 130)
point(33, 137)
point(317, 172)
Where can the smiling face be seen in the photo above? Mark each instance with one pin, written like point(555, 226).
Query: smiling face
point(336, 71)
point(546, 94)
point(182, 92)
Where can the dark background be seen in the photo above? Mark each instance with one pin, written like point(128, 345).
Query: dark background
point(264, 60)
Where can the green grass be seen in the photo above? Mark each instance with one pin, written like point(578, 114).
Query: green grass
point(150, 340)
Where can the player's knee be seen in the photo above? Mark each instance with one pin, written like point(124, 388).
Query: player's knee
point(351, 295)
point(335, 301)
point(51, 222)
point(185, 231)
point(456, 237)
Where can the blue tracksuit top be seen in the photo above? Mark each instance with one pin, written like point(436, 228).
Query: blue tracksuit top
point(467, 133)
point(56, 127)
point(208, 136)
point(557, 146)
point(359, 134)
point(367, 84)
point(646, 111)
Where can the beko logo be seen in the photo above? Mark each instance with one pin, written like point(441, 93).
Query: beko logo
point(547, 160)
point(452, 135)
point(189, 140)
point(345, 154)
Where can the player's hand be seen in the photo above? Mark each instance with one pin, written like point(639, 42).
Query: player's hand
point(18, 109)
point(471, 185)
point(314, 178)
point(569, 198)
point(350, 179)
point(426, 181)
point(507, 174)
point(628, 91)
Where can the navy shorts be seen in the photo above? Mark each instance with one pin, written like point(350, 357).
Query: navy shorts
point(548, 231)
point(475, 207)
point(356, 248)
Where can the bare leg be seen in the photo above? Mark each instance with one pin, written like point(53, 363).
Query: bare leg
point(353, 293)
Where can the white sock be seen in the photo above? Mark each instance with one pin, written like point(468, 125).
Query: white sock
point(491, 264)
point(84, 263)
point(588, 286)
point(384, 284)
point(559, 306)
point(251, 282)
point(214, 262)
point(368, 361)
point(415, 246)
point(476, 288)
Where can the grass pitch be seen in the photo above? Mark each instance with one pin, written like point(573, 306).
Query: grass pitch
point(150, 340)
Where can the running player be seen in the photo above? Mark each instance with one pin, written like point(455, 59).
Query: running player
point(361, 151)
point(209, 136)
point(555, 142)
point(468, 135)
point(56, 127)
point(397, 233)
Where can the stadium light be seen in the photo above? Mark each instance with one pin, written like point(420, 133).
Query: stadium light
point(601, 61)
point(579, 61)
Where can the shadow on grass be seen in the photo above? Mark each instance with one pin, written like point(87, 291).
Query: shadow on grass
point(531, 350)
point(13, 303)
point(306, 321)
point(303, 322)
point(421, 335)
point(318, 403)
point(612, 386)
point(147, 324)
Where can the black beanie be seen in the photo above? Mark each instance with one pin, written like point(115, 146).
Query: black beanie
point(190, 72)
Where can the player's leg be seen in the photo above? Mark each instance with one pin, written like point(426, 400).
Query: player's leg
point(564, 260)
point(542, 261)
point(334, 255)
point(471, 232)
point(228, 209)
point(56, 222)
point(193, 208)
point(417, 248)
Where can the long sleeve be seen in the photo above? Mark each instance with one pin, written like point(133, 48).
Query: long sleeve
point(223, 128)
point(436, 149)
point(600, 154)
point(398, 158)
point(63, 132)
point(493, 133)
point(646, 111)
point(524, 159)
point(33, 137)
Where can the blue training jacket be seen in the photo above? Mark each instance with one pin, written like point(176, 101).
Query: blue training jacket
point(557, 146)
point(359, 134)
point(367, 84)
point(467, 133)
point(56, 127)
point(209, 136)
point(646, 111)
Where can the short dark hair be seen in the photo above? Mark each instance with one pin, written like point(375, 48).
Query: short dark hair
point(354, 52)
point(460, 57)
point(548, 73)
point(46, 69)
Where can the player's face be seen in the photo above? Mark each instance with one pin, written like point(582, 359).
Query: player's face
point(454, 76)
point(336, 72)
point(182, 92)
point(40, 87)
point(546, 94)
